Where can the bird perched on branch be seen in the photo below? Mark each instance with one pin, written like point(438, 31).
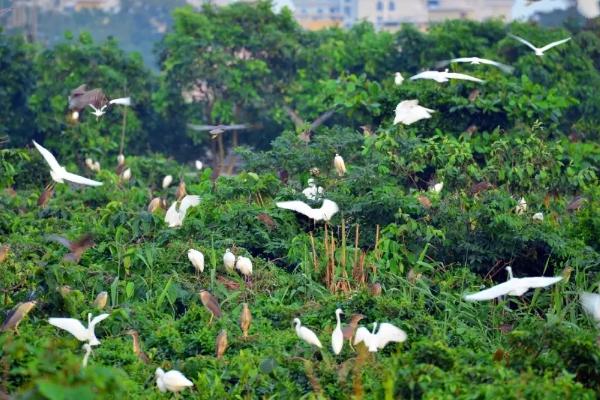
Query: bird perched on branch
point(340, 166)
point(16, 315)
point(337, 337)
point(77, 247)
point(101, 300)
point(211, 303)
point(221, 344)
point(349, 330)
point(229, 260)
point(306, 334)
point(245, 320)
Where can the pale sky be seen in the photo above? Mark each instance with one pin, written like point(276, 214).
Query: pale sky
point(522, 10)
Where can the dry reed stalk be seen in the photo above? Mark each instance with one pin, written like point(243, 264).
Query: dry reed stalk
point(314, 252)
point(312, 378)
point(377, 255)
point(327, 271)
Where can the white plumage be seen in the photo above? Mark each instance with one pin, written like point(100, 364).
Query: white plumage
point(398, 78)
point(538, 216)
point(121, 159)
point(539, 51)
point(312, 192)
point(197, 260)
point(306, 334)
point(244, 265)
point(340, 166)
point(327, 210)
point(409, 111)
point(376, 341)
point(513, 287)
point(229, 260)
point(198, 165)
point(591, 305)
point(444, 76)
point(477, 61)
point(59, 174)
point(122, 101)
point(126, 175)
point(437, 188)
point(337, 337)
point(172, 381)
point(521, 207)
point(76, 328)
point(174, 216)
point(166, 182)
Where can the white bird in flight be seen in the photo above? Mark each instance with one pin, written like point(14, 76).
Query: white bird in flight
point(539, 51)
point(174, 216)
point(59, 174)
point(513, 287)
point(98, 112)
point(398, 78)
point(172, 381)
point(376, 341)
point(306, 334)
point(591, 305)
point(477, 61)
point(337, 337)
point(312, 192)
point(327, 210)
point(444, 76)
point(409, 111)
point(76, 328)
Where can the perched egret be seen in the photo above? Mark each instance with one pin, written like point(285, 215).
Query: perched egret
point(245, 320)
point(174, 217)
point(306, 334)
point(513, 287)
point(197, 260)
point(477, 61)
point(221, 344)
point(337, 337)
point(326, 212)
point(181, 192)
point(89, 163)
point(59, 174)
point(96, 166)
point(539, 51)
point(211, 303)
point(172, 381)
point(167, 180)
point(16, 315)
point(340, 166)
point(376, 341)
point(137, 346)
point(198, 165)
point(76, 328)
point(121, 159)
point(444, 76)
point(244, 265)
point(76, 247)
point(101, 300)
point(538, 216)
point(437, 188)
point(398, 78)
point(312, 192)
point(591, 305)
point(521, 207)
point(409, 111)
point(229, 260)
point(126, 175)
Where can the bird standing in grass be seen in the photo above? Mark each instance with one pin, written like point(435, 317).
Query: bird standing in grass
point(212, 305)
point(306, 334)
point(245, 320)
point(16, 315)
point(349, 330)
point(340, 166)
point(137, 346)
point(337, 337)
point(197, 260)
point(172, 381)
point(244, 265)
point(221, 344)
point(229, 260)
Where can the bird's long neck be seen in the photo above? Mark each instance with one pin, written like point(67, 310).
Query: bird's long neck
point(337, 317)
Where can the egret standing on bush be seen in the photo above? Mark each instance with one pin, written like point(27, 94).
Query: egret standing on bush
point(306, 334)
point(337, 337)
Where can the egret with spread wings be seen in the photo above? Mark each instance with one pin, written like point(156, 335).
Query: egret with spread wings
point(59, 174)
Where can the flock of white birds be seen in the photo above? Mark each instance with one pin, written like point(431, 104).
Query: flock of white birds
point(407, 112)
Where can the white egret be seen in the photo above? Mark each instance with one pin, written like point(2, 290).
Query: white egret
point(96, 166)
point(89, 163)
point(376, 341)
point(340, 166)
point(398, 78)
point(477, 61)
point(198, 165)
point(409, 111)
point(513, 287)
point(591, 305)
point(539, 51)
point(175, 216)
point(229, 260)
point(121, 159)
point(126, 175)
point(444, 76)
point(306, 334)
point(244, 265)
point(326, 212)
point(521, 207)
point(312, 192)
point(59, 174)
point(172, 381)
point(197, 260)
point(166, 182)
point(337, 337)
point(538, 216)
point(76, 328)
point(437, 188)
point(100, 111)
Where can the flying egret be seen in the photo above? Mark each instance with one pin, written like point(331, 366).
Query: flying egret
point(409, 111)
point(306, 334)
point(197, 260)
point(312, 192)
point(591, 305)
point(398, 78)
point(174, 216)
point(340, 166)
point(513, 287)
point(444, 76)
point(76, 328)
point(326, 212)
point(376, 341)
point(539, 51)
point(221, 344)
point(88, 350)
point(229, 260)
point(137, 346)
point(211, 303)
point(172, 381)
point(16, 315)
point(521, 207)
point(59, 174)
point(101, 300)
point(98, 112)
point(477, 61)
point(167, 180)
point(76, 247)
point(245, 320)
point(538, 216)
point(349, 330)
point(337, 337)
point(244, 265)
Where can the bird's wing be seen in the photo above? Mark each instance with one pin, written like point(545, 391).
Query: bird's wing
point(59, 239)
point(294, 116)
point(71, 325)
point(493, 292)
point(465, 77)
point(591, 304)
point(94, 108)
point(98, 319)
point(462, 59)
point(187, 202)
point(389, 333)
point(176, 378)
point(537, 282)
point(525, 42)
point(329, 208)
point(506, 68)
point(362, 334)
point(124, 101)
point(172, 216)
point(321, 119)
point(298, 206)
point(416, 114)
point(310, 336)
point(553, 44)
point(422, 75)
point(80, 179)
point(54, 165)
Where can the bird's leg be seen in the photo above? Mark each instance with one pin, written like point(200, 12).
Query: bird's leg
point(350, 344)
point(211, 318)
